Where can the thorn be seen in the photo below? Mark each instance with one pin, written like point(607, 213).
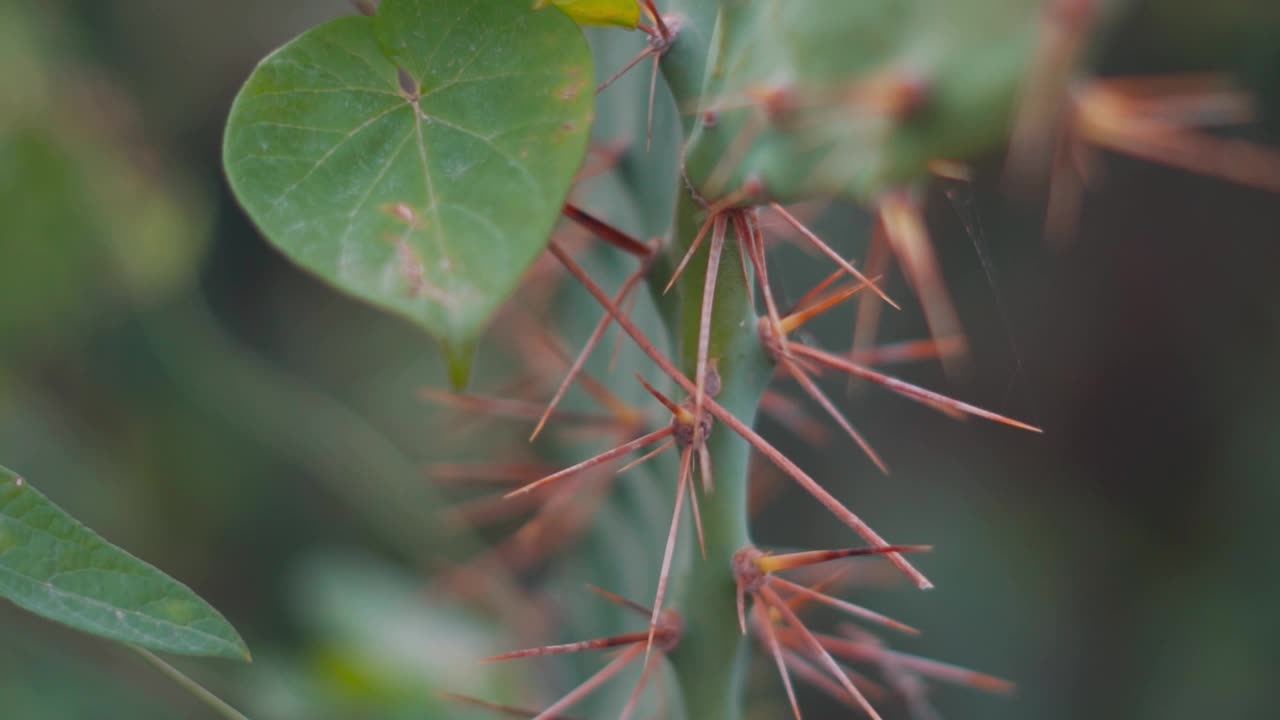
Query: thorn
point(573, 647)
point(634, 700)
point(821, 398)
point(771, 639)
point(795, 320)
point(500, 407)
point(697, 516)
point(507, 710)
point(740, 598)
point(829, 252)
point(653, 88)
point(681, 414)
point(812, 675)
point(790, 561)
point(666, 444)
point(814, 291)
point(606, 456)
point(907, 351)
point(848, 607)
point(934, 669)
point(755, 246)
point(693, 247)
point(867, 321)
point(792, 416)
point(652, 11)
point(770, 596)
point(704, 321)
point(628, 285)
point(487, 510)
point(907, 389)
point(663, 575)
point(602, 676)
point(846, 516)
point(619, 600)
point(704, 464)
point(646, 52)
point(607, 232)
point(483, 472)
point(909, 239)
point(626, 414)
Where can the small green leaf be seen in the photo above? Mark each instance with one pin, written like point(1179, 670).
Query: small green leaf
point(623, 13)
point(417, 159)
point(53, 566)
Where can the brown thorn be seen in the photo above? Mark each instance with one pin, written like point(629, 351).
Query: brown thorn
point(821, 398)
point(500, 407)
point(789, 561)
point(669, 551)
point(704, 320)
point(606, 456)
point(607, 232)
point(867, 320)
point(625, 413)
point(507, 710)
point(693, 247)
point(815, 291)
point(792, 416)
point(755, 242)
point(653, 88)
point(634, 700)
point(573, 647)
point(704, 464)
point(602, 676)
point(697, 513)
point(907, 351)
point(797, 319)
point(652, 11)
point(771, 639)
point(619, 600)
point(679, 412)
point(646, 52)
point(909, 239)
point(848, 607)
point(906, 389)
point(829, 252)
point(846, 516)
point(769, 595)
point(666, 445)
point(810, 673)
point(927, 667)
point(484, 472)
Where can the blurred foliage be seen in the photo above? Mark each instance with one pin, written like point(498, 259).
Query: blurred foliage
point(191, 396)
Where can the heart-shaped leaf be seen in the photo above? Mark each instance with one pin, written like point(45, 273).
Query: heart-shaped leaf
point(418, 158)
point(53, 566)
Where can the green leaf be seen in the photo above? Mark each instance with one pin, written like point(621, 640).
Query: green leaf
point(417, 159)
point(53, 566)
point(623, 13)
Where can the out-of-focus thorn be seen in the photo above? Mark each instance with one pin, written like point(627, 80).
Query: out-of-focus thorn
point(792, 416)
point(1064, 32)
point(505, 710)
point(909, 239)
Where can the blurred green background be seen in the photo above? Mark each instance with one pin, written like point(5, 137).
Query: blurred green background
point(172, 382)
